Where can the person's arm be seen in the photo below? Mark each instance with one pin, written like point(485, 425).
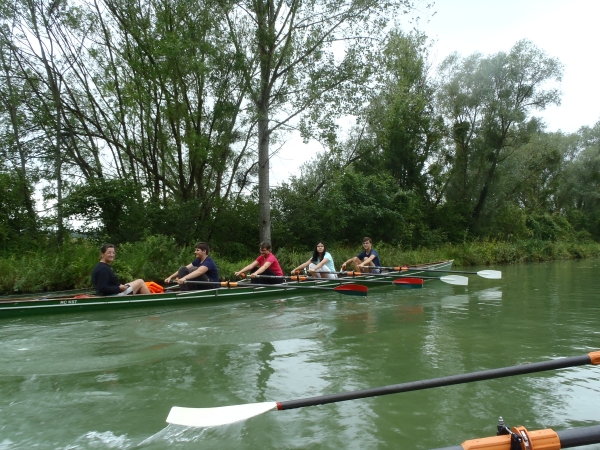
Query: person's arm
point(196, 273)
point(168, 279)
point(261, 269)
point(301, 266)
point(367, 261)
point(346, 263)
point(322, 263)
point(248, 267)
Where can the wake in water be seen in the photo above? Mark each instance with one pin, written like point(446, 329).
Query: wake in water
point(173, 434)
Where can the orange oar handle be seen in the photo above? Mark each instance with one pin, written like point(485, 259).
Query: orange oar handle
point(594, 357)
point(298, 278)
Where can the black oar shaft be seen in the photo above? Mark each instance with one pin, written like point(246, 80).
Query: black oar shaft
point(579, 436)
point(292, 286)
point(438, 382)
point(425, 269)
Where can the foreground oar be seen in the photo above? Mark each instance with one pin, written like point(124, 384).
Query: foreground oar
point(210, 417)
point(547, 439)
point(492, 274)
point(348, 289)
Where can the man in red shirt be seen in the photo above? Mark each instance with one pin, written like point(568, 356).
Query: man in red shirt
point(265, 264)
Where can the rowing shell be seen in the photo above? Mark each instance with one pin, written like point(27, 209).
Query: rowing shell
point(10, 307)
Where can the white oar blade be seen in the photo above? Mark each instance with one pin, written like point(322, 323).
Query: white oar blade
point(222, 415)
point(492, 274)
point(455, 279)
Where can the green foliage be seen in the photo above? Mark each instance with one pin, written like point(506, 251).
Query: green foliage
point(548, 228)
point(406, 128)
point(352, 207)
point(18, 228)
point(112, 209)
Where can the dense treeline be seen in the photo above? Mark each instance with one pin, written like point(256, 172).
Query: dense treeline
point(159, 118)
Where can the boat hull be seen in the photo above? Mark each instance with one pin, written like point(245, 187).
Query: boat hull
point(10, 307)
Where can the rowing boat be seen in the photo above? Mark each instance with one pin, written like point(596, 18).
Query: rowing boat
point(52, 303)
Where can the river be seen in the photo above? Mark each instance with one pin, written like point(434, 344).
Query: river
point(107, 380)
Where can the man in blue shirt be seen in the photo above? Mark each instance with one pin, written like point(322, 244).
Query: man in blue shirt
point(203, 268)
point(366, 261)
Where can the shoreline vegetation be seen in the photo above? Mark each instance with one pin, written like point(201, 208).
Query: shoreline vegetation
point(70, 266)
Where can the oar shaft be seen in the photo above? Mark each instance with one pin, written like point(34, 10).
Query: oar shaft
point(423, 269)
point(444, 381)
point(291, 286)
point(579, 436)
point(386, 275)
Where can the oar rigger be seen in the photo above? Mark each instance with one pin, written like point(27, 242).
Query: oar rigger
point(519, 438)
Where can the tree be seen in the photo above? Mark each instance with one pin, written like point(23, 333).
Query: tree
point(579, 191)
point(407, 130)
point(486, 102)
point(287, 51)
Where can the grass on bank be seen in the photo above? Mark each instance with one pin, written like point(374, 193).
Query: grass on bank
point(156, 257)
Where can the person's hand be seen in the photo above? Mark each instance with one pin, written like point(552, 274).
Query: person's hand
point(180, 280)
point(168, 280)
point(253, 275)
point(237, 274)
point(344, 266)
point(122, 287)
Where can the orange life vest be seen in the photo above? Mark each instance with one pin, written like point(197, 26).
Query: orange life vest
point(154, 287)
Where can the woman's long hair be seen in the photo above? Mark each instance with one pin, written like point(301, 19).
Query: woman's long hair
point(315, 257)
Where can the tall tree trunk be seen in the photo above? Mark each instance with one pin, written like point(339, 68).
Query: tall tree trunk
point(264, 193)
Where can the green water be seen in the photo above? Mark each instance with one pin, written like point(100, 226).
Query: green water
point(107, 380)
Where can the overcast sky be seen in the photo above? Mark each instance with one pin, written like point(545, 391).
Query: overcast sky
point(565, 29)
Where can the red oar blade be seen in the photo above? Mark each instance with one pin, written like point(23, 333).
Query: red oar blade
point(409, 283)
point(351, 289)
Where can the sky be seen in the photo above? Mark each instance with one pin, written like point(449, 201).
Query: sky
point(564, 29)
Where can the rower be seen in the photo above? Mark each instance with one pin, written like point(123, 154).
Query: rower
point(203, 268)
point(265, 264)
point(366, 261)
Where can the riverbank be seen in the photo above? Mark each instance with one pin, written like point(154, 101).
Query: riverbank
point(156, 257)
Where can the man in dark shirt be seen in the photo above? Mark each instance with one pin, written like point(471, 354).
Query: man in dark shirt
point(203, 268)
point(367, 260)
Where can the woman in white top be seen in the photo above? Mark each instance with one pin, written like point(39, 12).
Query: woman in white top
point(320, 265)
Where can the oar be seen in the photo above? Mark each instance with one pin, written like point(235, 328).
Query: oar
point(210, 417)
point(492, 274)
point(450, 279)
point(348, 289)
point(543, 439)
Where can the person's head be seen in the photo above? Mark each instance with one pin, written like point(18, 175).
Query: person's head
point(203, 246)
point(319, 251)
point(265, 248)
point(367, 243)
point(107, 253)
